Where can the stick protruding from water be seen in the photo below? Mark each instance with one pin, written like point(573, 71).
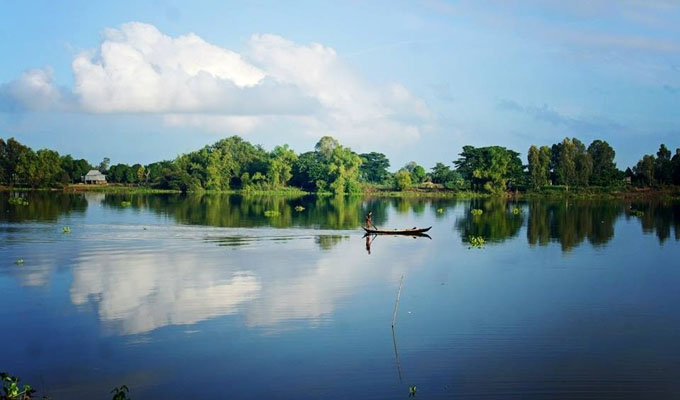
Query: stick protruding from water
point(396, 305)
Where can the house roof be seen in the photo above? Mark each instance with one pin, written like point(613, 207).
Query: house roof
point(94, 174)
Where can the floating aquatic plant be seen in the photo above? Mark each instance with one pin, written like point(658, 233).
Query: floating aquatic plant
point(637, 213)
point(270, 214)
point(412, 391)
point(476, 211)
point(440, 210)
point(17, 201)
point(476, 242)
point(299, 208)
point(517, 211)
point(66, 229)
point(12, 390)
point(120, 393)
point(125, 203)
point(19, 261)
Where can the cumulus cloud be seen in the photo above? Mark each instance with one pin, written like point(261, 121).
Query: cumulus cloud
point(190, 82)
point(35, 89)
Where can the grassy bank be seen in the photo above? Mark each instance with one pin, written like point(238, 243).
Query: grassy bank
point(423, 191)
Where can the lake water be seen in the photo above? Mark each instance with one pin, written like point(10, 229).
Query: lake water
point(203, 297)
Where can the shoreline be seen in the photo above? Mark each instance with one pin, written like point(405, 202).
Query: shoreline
point(621, 193)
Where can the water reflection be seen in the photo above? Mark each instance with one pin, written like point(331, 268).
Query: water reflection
point(136, 291)
point(269, 281)
point(157, 286)
point(571, 222)
point(370, 238)
point(497, 222)
point(344, 212)
point(567, 222)
point(42, 206)
point(659, 217)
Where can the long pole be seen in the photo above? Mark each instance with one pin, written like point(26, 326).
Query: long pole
point(396, 305)
point(396, 353)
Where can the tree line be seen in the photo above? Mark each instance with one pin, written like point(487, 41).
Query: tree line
point(233, 163)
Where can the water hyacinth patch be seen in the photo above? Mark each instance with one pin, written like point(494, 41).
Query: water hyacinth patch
point(476, 242)
point(18, 201)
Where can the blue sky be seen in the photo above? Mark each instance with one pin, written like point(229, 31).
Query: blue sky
point(143, 81)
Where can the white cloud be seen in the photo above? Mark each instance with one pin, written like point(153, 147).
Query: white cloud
point(353, 109)
point(35, 89)
point(274, 82)
point(139, 69)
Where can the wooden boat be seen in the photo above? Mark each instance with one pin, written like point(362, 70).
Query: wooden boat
point(410, 231)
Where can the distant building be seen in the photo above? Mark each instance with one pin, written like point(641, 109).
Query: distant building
point(94, 177)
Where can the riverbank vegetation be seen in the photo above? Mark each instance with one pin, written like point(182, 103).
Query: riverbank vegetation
point(233, 164)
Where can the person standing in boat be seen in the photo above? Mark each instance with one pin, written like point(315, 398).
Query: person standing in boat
point(369, 221)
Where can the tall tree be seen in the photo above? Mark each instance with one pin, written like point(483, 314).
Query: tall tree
point(402, 179)
point(663, 169)
point(489, 167)
point(10, 154)
point(675, 164)
point(417, 172)
point(374, 167)
point(442, 173)
point(104, 165)
point(343, 170)
point(536, 173)
point(280, 166)
point(644, 170)
point(544, 156)
point(565, 169)
point(583, 163)
point(325, 146)
point(604, 169)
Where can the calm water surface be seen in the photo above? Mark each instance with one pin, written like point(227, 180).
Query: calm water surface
point(204, 297)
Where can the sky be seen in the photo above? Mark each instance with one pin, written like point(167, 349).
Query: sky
point(142, 81)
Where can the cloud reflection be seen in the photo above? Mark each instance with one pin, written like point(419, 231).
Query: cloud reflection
point(138, 293)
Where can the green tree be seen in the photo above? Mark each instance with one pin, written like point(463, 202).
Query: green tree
point(490, 167)
point(374, 167)
point(118, 173)
point(442, 173)
point(583, 163)
point(279, 170)
point(402, 179)
point(325, 146)
point(343, 170)
point(10, 154)
point(604, 171)
point(417, 172)
point(133, 175)
point(565, 169)
point(675, 164)
point(644, 170)
point(308, 170)
point(545, 154)
point(663, 169)
point(536, 173)
point(104, 165)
